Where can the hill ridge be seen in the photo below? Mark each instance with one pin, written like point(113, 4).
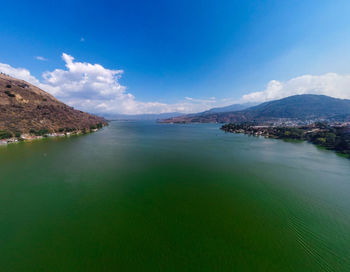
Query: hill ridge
point(299, 107)
point(25, 108)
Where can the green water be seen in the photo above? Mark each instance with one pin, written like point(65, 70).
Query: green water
point(157, 197)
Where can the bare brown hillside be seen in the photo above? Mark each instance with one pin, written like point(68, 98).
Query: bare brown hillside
point(25, 108)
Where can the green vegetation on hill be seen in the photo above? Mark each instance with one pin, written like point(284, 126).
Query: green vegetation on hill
point(40, 132)
point(329, 137)
point(5, 134)
point(297, 107)
point(307, 106)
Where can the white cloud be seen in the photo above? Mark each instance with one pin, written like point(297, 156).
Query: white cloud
point(330, 84)
point(24, 74)
point(94, 88)
point(41, 58)
point(20, 73)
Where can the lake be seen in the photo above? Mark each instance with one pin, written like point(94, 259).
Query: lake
point(142, 196)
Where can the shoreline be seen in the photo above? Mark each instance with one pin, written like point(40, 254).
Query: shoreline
point(27, 137)
point(335, 138)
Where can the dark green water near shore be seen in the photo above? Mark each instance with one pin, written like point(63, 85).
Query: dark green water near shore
point(158, 197)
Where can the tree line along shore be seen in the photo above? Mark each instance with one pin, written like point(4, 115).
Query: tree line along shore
point(332, 137)
point(11, 137)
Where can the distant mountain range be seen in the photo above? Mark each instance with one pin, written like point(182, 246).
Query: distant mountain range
point(298, 107)
point(160, 116)
point(145, 117)
point(25, 108)
point(234, 107)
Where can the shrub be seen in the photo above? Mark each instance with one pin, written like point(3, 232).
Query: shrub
point(5, 134)
point(67, 129)
point(320, 141)
point(40, 132)
point(10, 94)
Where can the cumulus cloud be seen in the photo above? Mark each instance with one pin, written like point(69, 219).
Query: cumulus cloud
point(94, 88)
point(20, 73)
point(330, 84)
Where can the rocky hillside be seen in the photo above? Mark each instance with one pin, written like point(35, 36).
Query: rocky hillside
point(299, 107)
point(25, 108)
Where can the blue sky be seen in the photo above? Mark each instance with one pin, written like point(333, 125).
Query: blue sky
point(179, 53)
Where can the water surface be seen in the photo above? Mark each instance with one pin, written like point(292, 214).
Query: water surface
point(158, 197)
